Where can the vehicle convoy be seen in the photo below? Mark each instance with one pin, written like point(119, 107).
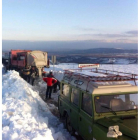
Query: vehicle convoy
point(100, 107)
point(19, 59)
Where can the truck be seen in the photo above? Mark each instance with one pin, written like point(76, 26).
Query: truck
point(19, 59)
point(99, 106)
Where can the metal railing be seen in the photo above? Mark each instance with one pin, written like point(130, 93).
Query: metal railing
point(108, 75)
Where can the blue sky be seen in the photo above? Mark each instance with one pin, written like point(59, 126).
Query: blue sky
point(112, 21)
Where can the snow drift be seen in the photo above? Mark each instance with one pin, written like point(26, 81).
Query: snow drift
point(25, 115)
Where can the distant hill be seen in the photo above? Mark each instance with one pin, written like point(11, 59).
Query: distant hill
point(94, 51)
point(102, 51)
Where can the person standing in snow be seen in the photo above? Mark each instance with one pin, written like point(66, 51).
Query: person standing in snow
point(26, 73)
point(50, 74)
point(50, 82)
point(55, 86)
point(33, 73)
point(43, 72)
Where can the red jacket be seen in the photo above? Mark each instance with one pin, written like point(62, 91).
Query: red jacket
point(49, 80)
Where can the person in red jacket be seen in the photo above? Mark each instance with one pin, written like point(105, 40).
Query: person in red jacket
point(50, 82)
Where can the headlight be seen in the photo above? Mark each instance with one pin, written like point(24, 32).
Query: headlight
point(114, 132)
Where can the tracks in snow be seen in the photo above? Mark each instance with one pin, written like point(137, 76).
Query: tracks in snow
point(52, 103)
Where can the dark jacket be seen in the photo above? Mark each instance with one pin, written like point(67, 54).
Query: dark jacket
point(26, 71)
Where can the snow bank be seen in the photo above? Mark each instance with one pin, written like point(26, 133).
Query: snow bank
point(25, 116)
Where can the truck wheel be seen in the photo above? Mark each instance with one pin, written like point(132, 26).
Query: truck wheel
point(68, 125)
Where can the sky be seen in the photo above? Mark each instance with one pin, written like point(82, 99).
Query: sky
point(64, 22)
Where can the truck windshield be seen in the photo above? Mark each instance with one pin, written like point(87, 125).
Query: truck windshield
point(116, 102)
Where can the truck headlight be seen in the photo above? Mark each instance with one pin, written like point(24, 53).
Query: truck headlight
point(114, 132)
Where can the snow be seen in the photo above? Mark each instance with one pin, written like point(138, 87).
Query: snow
point(131, 68)
point(25, 115)
point(91, 73)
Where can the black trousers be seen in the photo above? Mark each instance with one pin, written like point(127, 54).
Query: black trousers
point(55, 86)
point(58, 83)
point(32, 80)
point(49, 91)
point(27, 78)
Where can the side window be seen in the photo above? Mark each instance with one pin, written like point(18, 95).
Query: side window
point(87, 103)
point(65, 90)
point(75, 96)
point(22, 57)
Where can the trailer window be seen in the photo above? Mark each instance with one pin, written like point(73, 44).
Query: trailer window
point(65, 90)
point(87, 103)
point(75, 96)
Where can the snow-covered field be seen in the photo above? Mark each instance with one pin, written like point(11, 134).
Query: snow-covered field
point(25, 116)
point(132, 68)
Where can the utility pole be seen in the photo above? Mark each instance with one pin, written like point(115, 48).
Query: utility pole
point(53, 61)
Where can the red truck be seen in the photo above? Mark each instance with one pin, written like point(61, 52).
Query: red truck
point(19, 59)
